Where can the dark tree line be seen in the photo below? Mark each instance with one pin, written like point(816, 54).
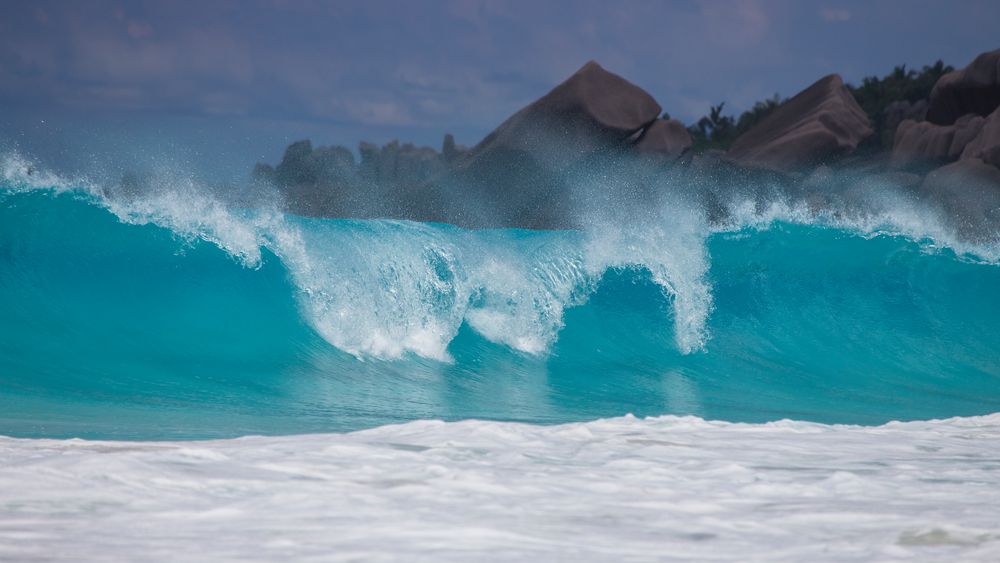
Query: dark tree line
point(718, 131)
point(874, 95)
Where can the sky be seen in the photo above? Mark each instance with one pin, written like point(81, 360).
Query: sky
point(222, 84)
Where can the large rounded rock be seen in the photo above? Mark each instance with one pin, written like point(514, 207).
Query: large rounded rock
point(968, 192)
point(522, 174)
point(973, 89)
point(926, 143)
point(899, 111)
point(896, 113)
point(986, 145)
point(665, 138)
point(590, 111)
point(816, 125)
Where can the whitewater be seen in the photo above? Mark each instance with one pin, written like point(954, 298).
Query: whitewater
point(610, 490)
point(183, 377)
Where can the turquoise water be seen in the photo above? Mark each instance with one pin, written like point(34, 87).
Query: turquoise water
point(133, 323)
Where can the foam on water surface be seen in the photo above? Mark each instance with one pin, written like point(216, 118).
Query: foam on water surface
point(617, 489)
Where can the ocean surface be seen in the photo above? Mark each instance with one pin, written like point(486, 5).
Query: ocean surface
point(182, 378)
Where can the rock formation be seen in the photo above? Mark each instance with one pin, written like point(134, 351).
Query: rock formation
point(313, 180)
point(896, 113)
point(664, 138)
point(986, 145)
point(521, 173)
point(401, 165)
point(596, 140)
point(924, 143)
point(968, 193)
point(590, 111)
point(326, 181)
point(818, 124)
point(973, 89)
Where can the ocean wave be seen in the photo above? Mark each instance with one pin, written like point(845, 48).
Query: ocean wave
point(777, 310)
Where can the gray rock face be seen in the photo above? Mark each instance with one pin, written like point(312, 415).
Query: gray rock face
point(326, 181)
point(925, 143)
point(899, 111)
point(596, 142)
point(399, 165)
point(973, 89)
point(896, 113)
point(313, 180)
point(302, 164)
point(450, 151)
point(986, 145)
point(665, 138)
point(521, 173)
point(818, 124)
point(590, 110)
point(968, 192)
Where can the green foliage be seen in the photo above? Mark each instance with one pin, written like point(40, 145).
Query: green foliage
point(713, 130)
point(758, 112)
point(875, 94)
point(717, 131)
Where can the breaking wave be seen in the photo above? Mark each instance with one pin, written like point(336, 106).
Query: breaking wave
point(171, 314)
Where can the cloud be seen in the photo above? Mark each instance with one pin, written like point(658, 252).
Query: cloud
point(735, 23)
point(378, 112)
point(835, 15)
point(139, 30)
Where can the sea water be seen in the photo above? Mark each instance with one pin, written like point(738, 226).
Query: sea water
point(440, 393)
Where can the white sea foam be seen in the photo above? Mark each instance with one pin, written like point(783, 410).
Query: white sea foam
point(378, 288)
point(670, 242)
point(884, 211)
point(520, 289)
point(387, 288)
point(21, 174)
point(182, 205)
point(610, 490)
